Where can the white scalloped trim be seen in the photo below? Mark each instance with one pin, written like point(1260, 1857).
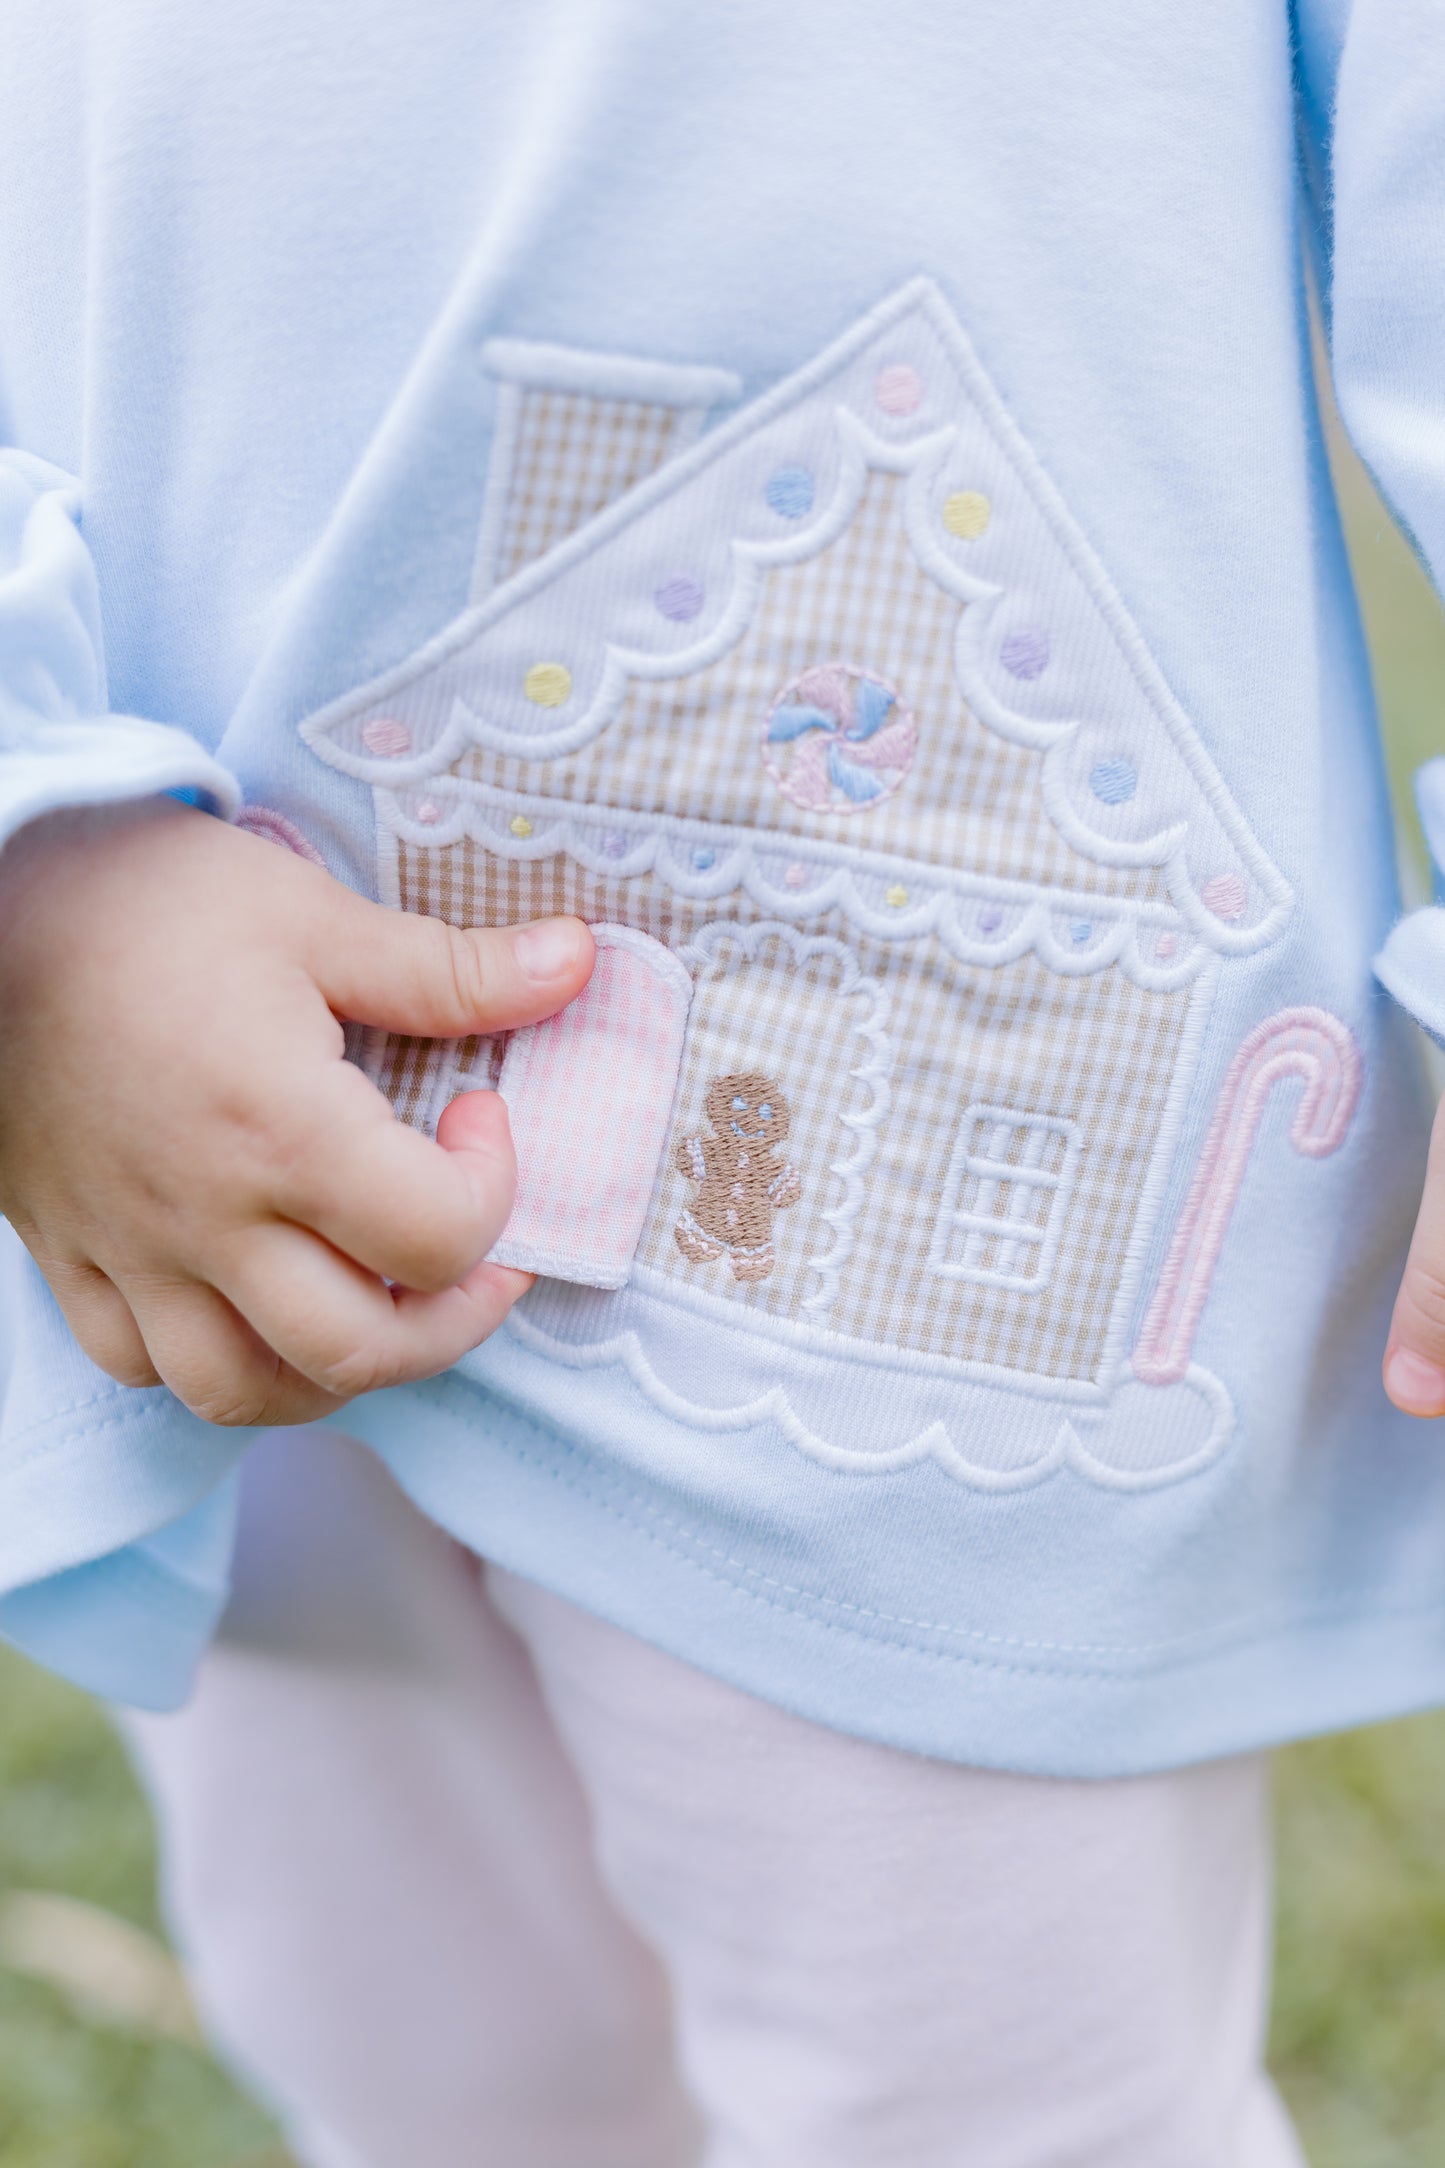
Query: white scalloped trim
point(873, 1072)
point(1066, 1446)
point(849, 878)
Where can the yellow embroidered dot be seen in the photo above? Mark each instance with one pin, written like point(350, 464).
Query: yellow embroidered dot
point(966, 513)
point(897, 896)
point(520, 825)
point(548, 684)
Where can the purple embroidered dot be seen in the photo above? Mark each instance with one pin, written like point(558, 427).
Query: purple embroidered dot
point(1025, 654)
point(790, 492)
point(989, 919)
point(1114, 782)
point(1226, 896)
point(1080, 931)
point(796, 875)
point(1165, 946)
point(898, 389)
point(386, 736)
point(703, 859)
point(426, 812)
point(680, 598)
point(614, 844)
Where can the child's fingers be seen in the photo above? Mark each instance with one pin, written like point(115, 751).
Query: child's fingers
point(342, 1327)
point(389, 1198)
point(102, 1322)
point(215, 1363)
point(413, 974)
point(1415, 1353)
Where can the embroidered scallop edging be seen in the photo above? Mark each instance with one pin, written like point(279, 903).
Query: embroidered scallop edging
point(666, 845)
point(1067, 1446)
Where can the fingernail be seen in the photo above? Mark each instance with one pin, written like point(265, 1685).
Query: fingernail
point(1414, 1384)
point(549, 949)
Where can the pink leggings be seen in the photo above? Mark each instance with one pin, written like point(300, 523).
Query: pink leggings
point(470, 1880)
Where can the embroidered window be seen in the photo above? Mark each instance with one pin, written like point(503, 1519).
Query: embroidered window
point(1004, 1198)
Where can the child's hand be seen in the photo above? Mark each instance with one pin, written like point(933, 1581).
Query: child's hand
point(216, 1197)
point(1415, 1352)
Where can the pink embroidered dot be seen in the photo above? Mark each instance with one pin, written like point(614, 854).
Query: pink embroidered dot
point(1165, 947)
point(898, 389)
point(386, 736)
point(680, 598)
point(426, 812)
point(1225, 895)
point(796, 875)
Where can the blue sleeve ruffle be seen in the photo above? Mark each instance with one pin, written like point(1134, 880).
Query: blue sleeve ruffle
point(59, 745)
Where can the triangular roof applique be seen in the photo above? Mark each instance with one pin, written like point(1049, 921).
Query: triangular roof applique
point(1045, 657)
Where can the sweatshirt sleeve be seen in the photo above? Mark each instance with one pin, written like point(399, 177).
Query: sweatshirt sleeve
point(59, 745)
point(1373, 92)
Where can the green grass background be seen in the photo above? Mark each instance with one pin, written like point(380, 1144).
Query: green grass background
point(1359, 2031)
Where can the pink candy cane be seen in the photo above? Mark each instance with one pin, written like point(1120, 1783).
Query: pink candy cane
point(1308, 1043)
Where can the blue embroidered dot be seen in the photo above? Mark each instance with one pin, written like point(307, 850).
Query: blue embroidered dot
point(989, 920)
point(1025, 654)
point(1115, 781)
point(680, 598)
point(614, 844)
point(704, 858)
point(1080, 931)
point(790, 492)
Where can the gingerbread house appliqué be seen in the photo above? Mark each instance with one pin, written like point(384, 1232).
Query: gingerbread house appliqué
point(835, 702)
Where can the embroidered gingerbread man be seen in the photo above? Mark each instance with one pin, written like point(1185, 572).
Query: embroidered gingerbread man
point(741, 1184)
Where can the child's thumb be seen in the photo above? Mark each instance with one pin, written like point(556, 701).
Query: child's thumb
point(1415, 1354)
point(421, 975)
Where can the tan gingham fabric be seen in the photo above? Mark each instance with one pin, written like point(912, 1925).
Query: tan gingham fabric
point(1095, 1051)
point(692, 746)
point(407, 1070)
point(1098, 1051)
point(574, 455)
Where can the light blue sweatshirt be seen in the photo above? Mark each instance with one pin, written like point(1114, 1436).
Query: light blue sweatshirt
point(839, 491)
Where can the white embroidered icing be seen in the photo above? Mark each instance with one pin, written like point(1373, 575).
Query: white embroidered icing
point(1007, 1189)
point(1129, 1438)
point(839, 705)
point(980, 920)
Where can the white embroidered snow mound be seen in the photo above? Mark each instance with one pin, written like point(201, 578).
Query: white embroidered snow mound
point(838, 705)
